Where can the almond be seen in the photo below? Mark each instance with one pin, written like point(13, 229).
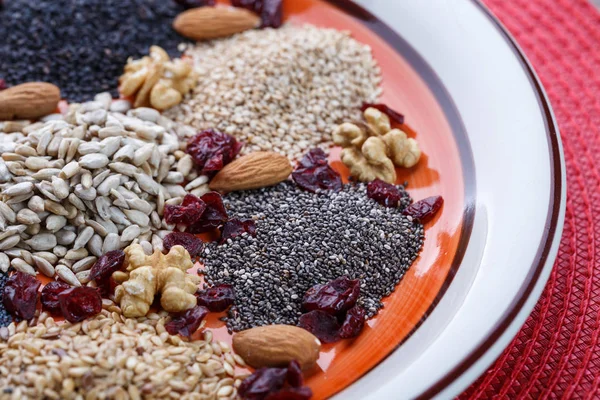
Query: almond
point(276, 346)
point(252, 171)
point(28, 101)
point(214, 22)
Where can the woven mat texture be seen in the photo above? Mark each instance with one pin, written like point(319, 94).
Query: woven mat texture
point(557, 353)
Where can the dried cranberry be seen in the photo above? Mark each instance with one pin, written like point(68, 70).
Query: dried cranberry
point(79, 303)
point(103, 269)
point(425, 209)
point(212, 150)
point(190, 242)
point(189, 212)
point(262, 382)
point(394, 115)
point(20, 295)
point(303, 393)
point(188, 322)
point(217, 298)
point(195, 3)
point(270, 11)
point(2, 81)
point(235, 227)
point(214, 216)
point(353, 323)
point(334, 297)
point(294, 374)
point(321, 324)
point(384, 193)
point(50, 294)
point(314, 173)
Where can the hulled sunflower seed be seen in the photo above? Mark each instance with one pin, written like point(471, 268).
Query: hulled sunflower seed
point(9, 242)
point(84, 264)
point(201, 180)
point(28, 217)
point(36, 163)
point(70, 170)
point(8, 212)
point(130, 233)
point(76, 255)
point(89, 148)
point(33, 229)
point(67, 275)
point(137, 217)
point(110, 183)
point(60, 251)
point(157, 243)
point(73, 146)
point(99, 228)
point(119, 199)
point(85, 194)
point(46, 255)
point(147, 184)
point(95, 245)
point(147, 246)
point(185, 165)
point(110, 145)
point(61, 188)
point(44, 266)
point(18, 189)
point(125, 153)
point(84, 276)
point(163, 170)
point(111, 242)
point(174, 177)
point(54, 223)
point(55, 208)
point(12, 230)
point(140, 205)
point(108, 225)
point(4, 262)
point(118, 217)
point(36, 204)
point(76, 201)
point(99, 177)
point(26, 151)
point(123, 168)
point(42, 241)
point(94, 161)
point(43, 143)
point(46, 174)
point(86, 179)
point(102, 207)
point(65, 238)
point(21, 266)
point(83, 238)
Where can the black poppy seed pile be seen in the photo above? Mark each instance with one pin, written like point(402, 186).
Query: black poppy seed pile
point(304, 239)
point(81, 45)
point(5, 318)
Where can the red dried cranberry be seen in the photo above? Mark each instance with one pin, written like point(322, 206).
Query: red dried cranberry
point(190, 242)
point(20, 295)
point(189, 212)
point(262, 382)
point(270, 11)
point(394, 115)
point(294, 374)
point(302, 393)
point(195, 3)
point(353, 323)
point(217, 298)
point(103, 269)
point(235, 227)
point(384, 193)
point(214, 216)
point(2, 81)
point(314, 173)
point(212, 150)
point(80, 303)
point(321, 324)
point(334, 297)
point(188, 322)
point(50, 294)
point(425, 209)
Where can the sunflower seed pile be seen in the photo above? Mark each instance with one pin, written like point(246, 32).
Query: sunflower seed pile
point(304, 239)
point(73, 187)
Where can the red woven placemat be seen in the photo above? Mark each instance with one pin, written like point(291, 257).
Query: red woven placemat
point(557, 353)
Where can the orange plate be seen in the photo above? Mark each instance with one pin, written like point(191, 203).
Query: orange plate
point(445, 169)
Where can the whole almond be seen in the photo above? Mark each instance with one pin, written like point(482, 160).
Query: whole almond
point(28, 101)
point(214, 22)
point(276, 346)
point(252, 171)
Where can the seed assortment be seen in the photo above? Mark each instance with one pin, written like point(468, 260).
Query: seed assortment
point(107, 197)
point(305, 239)
point(281, 90)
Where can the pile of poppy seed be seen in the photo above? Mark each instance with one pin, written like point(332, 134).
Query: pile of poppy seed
point(81, 45)
point(304, 239)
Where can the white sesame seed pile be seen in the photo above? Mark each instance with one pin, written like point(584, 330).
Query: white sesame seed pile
point(280, 90)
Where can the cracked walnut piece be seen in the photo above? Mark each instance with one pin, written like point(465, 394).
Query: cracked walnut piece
point(372, 149)
point(156, 80)
point(156, 274)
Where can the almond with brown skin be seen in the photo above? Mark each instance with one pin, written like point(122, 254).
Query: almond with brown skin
point(277, 346)
point(214, 22)
point(252, 171)
point(28, 101)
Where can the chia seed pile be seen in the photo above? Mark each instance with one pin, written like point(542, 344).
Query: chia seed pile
point(81, 45)
point(305, 239)
point(5, 318)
